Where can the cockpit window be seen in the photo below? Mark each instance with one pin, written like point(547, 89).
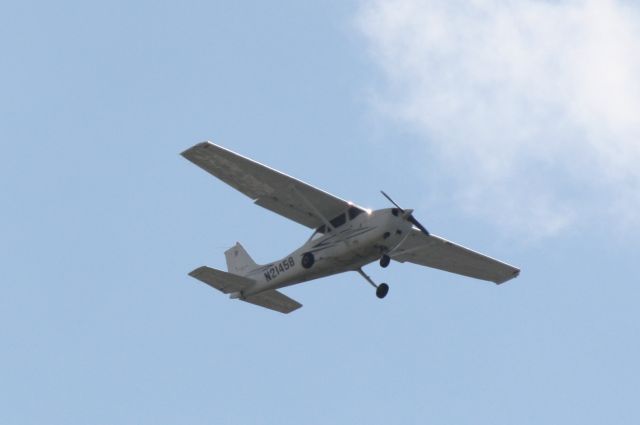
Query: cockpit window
point(354, 212)
point(336, 222)
point(339, 220)
point(319, 232)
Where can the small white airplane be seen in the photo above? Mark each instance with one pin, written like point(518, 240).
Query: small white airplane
point(346, 237)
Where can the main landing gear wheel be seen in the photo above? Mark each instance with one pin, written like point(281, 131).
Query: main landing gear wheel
point(382, 290)
point(307, 260)
point(385, 260)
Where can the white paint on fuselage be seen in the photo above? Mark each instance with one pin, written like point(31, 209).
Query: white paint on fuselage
point(356, 243)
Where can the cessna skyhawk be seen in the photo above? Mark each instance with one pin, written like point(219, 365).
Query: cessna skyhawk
point(346, 237)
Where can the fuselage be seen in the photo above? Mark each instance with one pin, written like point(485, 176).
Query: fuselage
point(354, 239)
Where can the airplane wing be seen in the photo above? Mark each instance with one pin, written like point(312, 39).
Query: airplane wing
point(228, 283)
point(434, 251)
point(267, 187)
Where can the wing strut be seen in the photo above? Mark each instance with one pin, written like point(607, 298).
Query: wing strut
point(320, 215)
point(312, 207)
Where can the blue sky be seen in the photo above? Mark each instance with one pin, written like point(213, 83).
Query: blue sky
point(102, 219)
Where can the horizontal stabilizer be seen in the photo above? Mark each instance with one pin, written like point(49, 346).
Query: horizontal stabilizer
point(229, 283)
point(274, 300)
point(224, 282)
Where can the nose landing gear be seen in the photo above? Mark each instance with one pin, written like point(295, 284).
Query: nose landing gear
point(384, 261)
point(381, 290)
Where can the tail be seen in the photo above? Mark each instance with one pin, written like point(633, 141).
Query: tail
point(238, 260)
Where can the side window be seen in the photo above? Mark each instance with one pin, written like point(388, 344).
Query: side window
point(354, 212)
point(318, 233)
point(339, 220)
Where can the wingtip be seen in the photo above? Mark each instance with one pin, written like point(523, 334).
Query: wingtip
point(196, 272)
point(206, 144)
point(515, 274)
point(298, 307)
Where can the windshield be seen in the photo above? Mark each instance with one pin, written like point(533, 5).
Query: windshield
point(354, 212)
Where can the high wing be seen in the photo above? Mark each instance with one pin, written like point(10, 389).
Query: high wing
point(228, 283)
point(267, 187)
point(433, 251)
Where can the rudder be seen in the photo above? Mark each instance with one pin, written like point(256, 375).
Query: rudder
point(238, 260)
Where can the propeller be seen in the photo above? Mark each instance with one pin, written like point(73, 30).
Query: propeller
point(408, 214)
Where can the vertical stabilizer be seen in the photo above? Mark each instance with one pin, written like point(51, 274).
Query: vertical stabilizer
point(238, 260)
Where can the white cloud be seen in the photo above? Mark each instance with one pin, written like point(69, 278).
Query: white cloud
point(533, 107)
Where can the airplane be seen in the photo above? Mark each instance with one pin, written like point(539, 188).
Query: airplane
point(346, 237)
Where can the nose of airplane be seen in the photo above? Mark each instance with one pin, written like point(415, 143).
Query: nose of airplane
point(407, 213)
